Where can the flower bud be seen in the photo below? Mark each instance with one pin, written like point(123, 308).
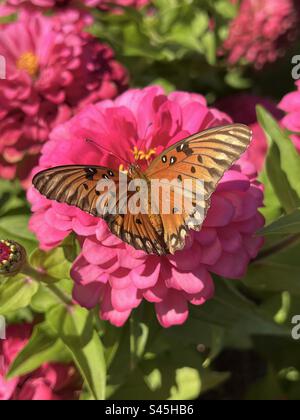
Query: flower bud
point(12, 257)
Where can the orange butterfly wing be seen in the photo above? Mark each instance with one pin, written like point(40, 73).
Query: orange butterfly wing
point(205, 156)
point(140, 232)
point(77, 186)
point(74, 185)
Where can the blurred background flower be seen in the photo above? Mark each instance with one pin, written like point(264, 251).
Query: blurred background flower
point(263, 31)
point(102, 4)
point(242, 109)
point(113, 273)
point(291, 105)
point(53, 381)
point(53, 72)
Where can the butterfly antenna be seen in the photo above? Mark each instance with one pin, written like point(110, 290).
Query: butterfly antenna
point(107, 151)
point(145, 136)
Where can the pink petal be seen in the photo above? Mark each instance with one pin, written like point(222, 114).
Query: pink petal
point(108, 313)
point(191, 282)
point(88, 296)
point(125, 299)
point(220, 213)
point(146, 276)
point(230, 266)
point(173, 310)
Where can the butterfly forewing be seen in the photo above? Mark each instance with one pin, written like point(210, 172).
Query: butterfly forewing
point(75, 185)
point(204, 157)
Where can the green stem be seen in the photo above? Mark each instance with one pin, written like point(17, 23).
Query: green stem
point(279, 247)
point(133, 350)
point(37, 275)
point(60, 294)
point(40, 277)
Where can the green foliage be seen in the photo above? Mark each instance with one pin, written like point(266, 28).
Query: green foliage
point(53, 263)
point(176, 44)
point(175, 40)
point(43, 347)
point(16, 293)
point(74, 326)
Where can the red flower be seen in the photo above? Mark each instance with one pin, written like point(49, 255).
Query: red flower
point(50, 382)
point(53, 72)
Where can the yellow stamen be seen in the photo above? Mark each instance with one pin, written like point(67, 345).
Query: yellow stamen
point(122, 169)
point(28, 62)
point(143, 155)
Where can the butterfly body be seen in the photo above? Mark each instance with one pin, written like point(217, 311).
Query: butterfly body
point(205, 156)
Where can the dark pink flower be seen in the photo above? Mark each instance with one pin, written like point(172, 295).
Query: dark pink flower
point(113, 273)
point(53, 72)
point(262, 31)
point(102, 4)
point(242, 109)
point(291, 105)
point(50, 382)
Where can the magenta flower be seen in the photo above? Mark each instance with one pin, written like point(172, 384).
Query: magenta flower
point(114, 274)
point(102, 4)
point(242, 109)
point(262, 31)
point(50, 382)
point(53, 72)
point(291, 105)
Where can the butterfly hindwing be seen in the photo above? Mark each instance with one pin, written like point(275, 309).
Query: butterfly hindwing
point(138, 231)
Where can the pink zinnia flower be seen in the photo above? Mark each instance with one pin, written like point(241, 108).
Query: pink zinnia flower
point(114, 274)
point(291, 105)
point(262, 31)
point(242, 109)
point(50, 382)
point(102, 4)
point(53, 72)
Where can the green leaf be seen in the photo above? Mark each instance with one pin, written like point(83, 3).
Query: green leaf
point(16, 228)
point(45, 299)
point(286, 225)
point(41, 348)
point(272, 209)
point(188, 384)
point(16, 293)
point(8, 19)
point(288, 155)
point(287, 196)
point(277, 272)
point(226, 8)
point(211, 380)
point(266, 389)
point(74, 326)
point(71, 247)
point(237, 80)
point(231, 310)
point(12, 198)
point(54, 263)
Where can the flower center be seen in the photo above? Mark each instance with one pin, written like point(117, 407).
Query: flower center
point(143, 155)
point(5, 252)
point(28, 62)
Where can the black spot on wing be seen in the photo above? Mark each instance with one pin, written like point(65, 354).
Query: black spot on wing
point(90, 173)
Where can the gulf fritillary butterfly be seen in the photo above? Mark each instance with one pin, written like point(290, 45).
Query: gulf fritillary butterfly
point(206, 156)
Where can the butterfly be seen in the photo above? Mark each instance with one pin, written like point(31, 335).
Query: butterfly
point(204, 156)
